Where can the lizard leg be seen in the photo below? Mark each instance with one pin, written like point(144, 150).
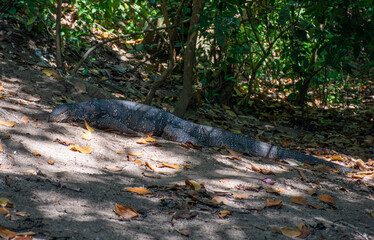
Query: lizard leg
point(113, 124)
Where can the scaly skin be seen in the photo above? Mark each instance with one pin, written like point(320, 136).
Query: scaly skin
point(136, 118)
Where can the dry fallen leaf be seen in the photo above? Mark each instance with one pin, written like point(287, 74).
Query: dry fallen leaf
point(141, 141)
point(290, 232)
point(138, 190)
point(138, 162)
point(165, 164)
point(126, 212)
point(87, 149)
point(51, 162)
point(1, 148)
point(36, 154)
point(25, 119)
point(304, 231)
point(87, 135)
point(4, 211)
point(273, 203)
point(240, 195)
point(192, 184)
point(136, 154)
point(6, 233)
point(299, 200)
point(8, 124)
point(5, 202)
point(219, 200)
point(327, 199)
point(223, 213)
point(119, 152)
point(88, 126)
point(149, 166)
point(113, 169)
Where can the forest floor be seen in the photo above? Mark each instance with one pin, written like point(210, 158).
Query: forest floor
point(50, 192)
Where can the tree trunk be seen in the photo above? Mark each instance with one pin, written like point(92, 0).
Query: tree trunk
point(58, 36)
point(189, 58)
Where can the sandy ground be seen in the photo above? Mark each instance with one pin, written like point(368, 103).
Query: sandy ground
point(61, 194)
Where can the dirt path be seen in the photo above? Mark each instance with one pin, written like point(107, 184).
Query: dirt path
point(61, 194)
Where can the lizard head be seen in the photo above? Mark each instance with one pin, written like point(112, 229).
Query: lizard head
point(62, 113)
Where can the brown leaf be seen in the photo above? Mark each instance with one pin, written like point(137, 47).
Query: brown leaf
point(75, 148)
point(138, 190)
point(240, 195)
point(274, 190)
point(290, 232)
point(7, 124)
point(51, 162)
point(119, 152)
point(219, 200)
point(223, 213)
point(149, 166)
point(36, 154)
point(304, 231)
point(1, 148)
point(126, 212)
point(327, 199)
point(6, 233)
point(25, 119)
point(192, 184)
point(255, 168)
point(273, 203)
point(63, 142)
point(299, 200)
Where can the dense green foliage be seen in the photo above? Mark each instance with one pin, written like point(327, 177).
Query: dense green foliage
point(306, 50)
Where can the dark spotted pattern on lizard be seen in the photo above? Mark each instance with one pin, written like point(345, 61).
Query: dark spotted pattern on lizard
point(136, 118)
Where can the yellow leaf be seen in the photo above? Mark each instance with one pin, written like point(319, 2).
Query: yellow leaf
point(138, 190)
point(88, 126)
point(6, 233)
point(87, 135)
point(141, 141)
point(52, 73)
point(36, 154)
point(290, 232)
point(273, 203)
point(136, 154)
point(223, 213)
point(150, 167)
point(150, 139)
point(327, 199)
point(1, 148)
point(4, 211)
point(8, 124)
point(126, 212)
point(51, 162)
point(138, 162)
point(5, 202)
point(1, 87)
point(299, 200)
point(119, 152)
point(336, 158)
point(87, 149)
point(165, 164)
point(192, 184)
